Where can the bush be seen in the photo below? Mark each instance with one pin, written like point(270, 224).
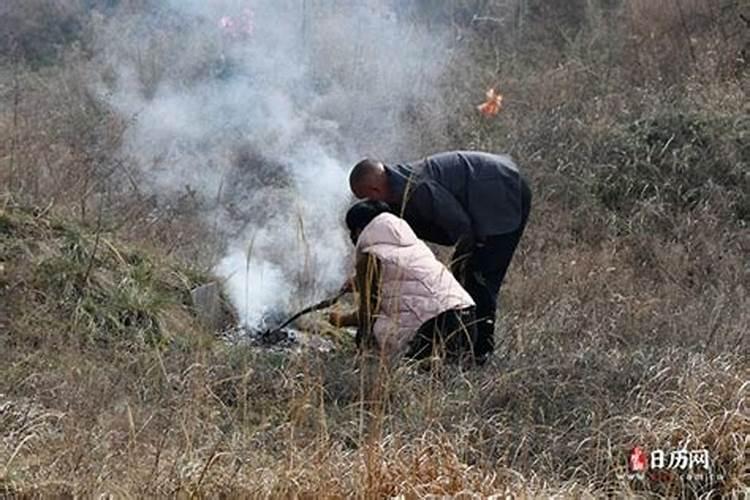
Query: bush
point(37, 32)
point(624, 315)
point(675, 159)
point(89, 286)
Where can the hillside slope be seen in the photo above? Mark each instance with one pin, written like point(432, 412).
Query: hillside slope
point(111, 387)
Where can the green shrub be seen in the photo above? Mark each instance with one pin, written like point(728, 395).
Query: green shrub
point(676, 160)
point(93, 288)
point(37, 31)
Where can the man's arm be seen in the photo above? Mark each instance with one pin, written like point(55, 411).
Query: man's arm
point(440, 208)
point(436, 206)
point(368, 286)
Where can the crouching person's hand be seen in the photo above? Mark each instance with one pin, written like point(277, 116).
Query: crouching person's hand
point(335, 318)
point(339, 319)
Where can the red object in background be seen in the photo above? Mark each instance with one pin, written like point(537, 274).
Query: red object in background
point(637, 460)
point(492, 105)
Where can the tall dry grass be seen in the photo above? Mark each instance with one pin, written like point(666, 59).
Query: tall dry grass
point(624, 317)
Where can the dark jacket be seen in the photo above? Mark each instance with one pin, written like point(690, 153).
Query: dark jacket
point(449, 197)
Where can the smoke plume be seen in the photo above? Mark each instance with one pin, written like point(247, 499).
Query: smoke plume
point(258, 108)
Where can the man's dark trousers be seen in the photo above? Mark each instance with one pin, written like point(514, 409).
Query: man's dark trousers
point(484, 273)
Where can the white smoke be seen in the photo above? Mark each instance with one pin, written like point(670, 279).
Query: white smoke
point(259, 108)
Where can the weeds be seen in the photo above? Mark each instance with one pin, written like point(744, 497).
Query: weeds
point(623, 322)
point(100, 292)
point(678, 160)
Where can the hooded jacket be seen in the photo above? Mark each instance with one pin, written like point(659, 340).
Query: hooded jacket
point(415, 286)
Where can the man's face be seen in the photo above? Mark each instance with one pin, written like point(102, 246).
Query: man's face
point(359, 191)
point(371, 191)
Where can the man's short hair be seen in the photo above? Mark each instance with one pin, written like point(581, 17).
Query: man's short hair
point(364, 171)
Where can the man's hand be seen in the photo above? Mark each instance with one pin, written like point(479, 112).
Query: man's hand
point(458, 269)
point(461, 257)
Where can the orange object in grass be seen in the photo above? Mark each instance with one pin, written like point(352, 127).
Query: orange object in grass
point(492, 105)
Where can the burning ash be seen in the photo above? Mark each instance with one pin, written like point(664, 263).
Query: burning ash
point(267, 334)
point(257, 109)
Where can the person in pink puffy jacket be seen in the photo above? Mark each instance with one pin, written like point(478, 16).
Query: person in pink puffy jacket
point(409, 302)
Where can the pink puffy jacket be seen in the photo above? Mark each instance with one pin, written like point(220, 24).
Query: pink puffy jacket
point(415, 286)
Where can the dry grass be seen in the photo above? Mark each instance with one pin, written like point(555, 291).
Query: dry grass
point(624, 319)
point(595, 357)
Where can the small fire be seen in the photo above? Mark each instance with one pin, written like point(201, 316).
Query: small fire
point(492, 105)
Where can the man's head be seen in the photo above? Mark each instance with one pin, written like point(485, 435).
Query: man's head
point(368, 179)
point(361, 214)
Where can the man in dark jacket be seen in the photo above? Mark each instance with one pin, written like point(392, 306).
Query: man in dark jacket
point(476, 201)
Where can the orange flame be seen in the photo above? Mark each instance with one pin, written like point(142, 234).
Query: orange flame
point(492, 105)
